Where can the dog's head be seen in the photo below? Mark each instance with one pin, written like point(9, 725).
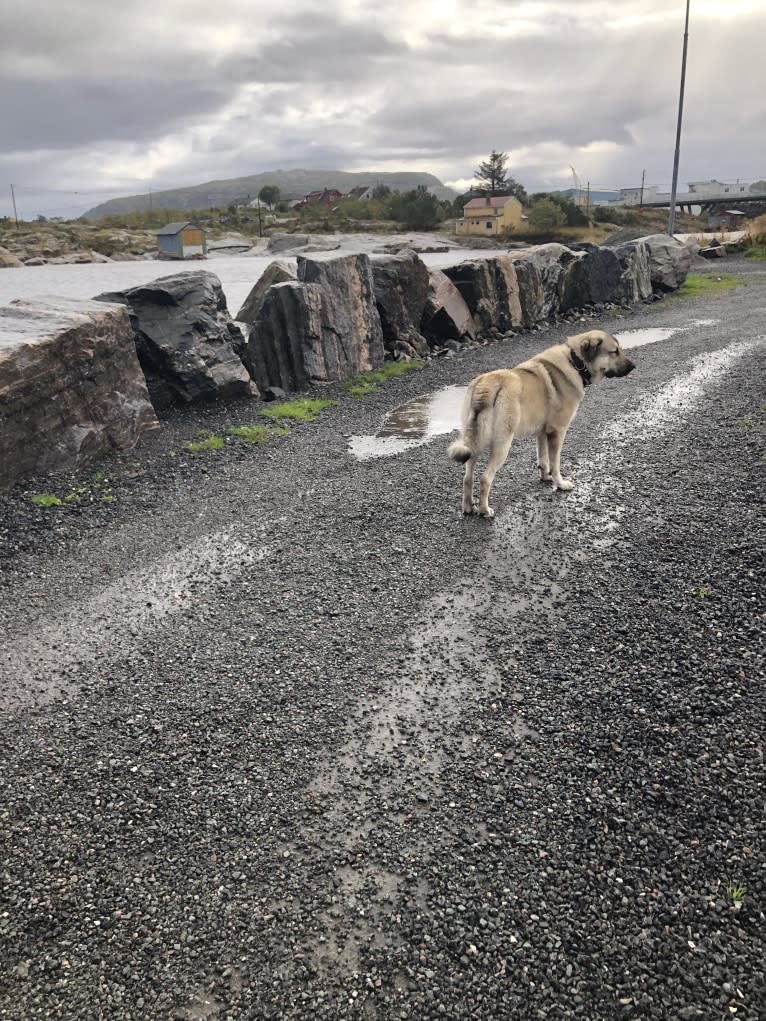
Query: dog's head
point(602, 354)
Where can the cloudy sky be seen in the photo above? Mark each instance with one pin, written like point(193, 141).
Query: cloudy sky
point(100, 98)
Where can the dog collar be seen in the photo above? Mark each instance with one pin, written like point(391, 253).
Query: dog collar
point(582, 369)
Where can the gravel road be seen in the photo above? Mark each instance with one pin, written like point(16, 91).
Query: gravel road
point(285, 736)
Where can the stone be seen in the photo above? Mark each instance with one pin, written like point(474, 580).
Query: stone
point(8, 260)
point(445, 313)
point(71, 387)
point(554, 262)
point(401, 286)
point(490, 289)
point(591, 280)
point(37, 260)
point(280, 242)
point(669, 261)
point(636, 279)
point(276, 272)
point(531, 291)
point(188, 344)
point(323, 327)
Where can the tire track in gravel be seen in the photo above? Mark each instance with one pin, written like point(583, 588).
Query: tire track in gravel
point(403, 726)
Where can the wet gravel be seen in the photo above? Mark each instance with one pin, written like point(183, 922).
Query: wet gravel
point(285, 736)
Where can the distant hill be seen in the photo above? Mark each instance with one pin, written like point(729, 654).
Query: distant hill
point(292, 184)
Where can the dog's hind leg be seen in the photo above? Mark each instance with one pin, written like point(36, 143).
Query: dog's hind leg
point(468, 504)
point(543, 460)
point(498, 452)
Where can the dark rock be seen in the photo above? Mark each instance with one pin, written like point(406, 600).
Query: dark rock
point(71, 387)
point(554, 262)
point(531, 291)
point(490, 289)
point(273, 393)
point(445, 314)
point(401, 289)
point(323, 327)
point(593, 279)
point(636, 279)
point(187, 342)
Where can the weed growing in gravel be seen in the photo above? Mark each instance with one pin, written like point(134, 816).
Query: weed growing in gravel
point(367, 383)
point(697, 284)
point(702, 591)
point(257, 433)
point(304, 409)
point(737, 893)
point(46, 500)
point(211, 443)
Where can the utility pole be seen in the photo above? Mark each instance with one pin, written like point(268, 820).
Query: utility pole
point(672, 213)
point(15, 214)
point(641, 199)
point(587, 202)
point(260, 225)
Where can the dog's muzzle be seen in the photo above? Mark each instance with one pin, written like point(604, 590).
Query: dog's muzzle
point(622, 371)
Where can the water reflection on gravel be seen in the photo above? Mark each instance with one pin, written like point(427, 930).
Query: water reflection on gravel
point(412, 424)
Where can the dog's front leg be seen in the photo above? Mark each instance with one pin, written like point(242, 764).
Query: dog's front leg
point(555, 439)
point(543, 460)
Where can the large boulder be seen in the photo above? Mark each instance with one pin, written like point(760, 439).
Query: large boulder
point(636, 280)
point(401, 289)
point(669, 261)
point(531, 290)
point(71, 387)
point(276, 272)
point(445, 313)
point(8, 259)
point(490, 289)
point(188, 344)
point(555, 262)
point(592, 280)
point(323, 327)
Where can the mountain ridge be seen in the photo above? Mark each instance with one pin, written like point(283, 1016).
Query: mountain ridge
point(293, 184)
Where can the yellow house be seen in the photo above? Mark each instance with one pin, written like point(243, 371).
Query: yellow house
point(490, 216)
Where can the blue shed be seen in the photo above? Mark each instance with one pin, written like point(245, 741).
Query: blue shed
point(181, 241)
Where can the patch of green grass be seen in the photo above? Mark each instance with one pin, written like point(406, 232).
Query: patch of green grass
point(211, 443)
point(98, 476)
point(367, 382)
point(258, 433)
point(737, 892)
point(107, 498)
point(303, 409)
point(756, 252)
point(698, 284)
point(46, 500)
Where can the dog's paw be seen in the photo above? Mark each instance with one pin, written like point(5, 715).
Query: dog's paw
point(488, 513)
point(564, 485)
point(470, 509)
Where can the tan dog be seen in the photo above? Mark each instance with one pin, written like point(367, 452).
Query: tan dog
point(538, 397)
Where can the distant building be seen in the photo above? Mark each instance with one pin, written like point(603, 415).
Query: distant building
point(490, 216)
point(362, 191)
point(324, 197)
point(726, 219)
point(181, 241)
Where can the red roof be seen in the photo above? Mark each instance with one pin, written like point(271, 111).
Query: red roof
point(496, 202)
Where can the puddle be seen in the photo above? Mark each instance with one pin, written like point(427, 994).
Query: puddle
point(649, 335)
point(412, 424)
point(653, 334)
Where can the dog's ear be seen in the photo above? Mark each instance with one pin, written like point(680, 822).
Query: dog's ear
point(590, 347)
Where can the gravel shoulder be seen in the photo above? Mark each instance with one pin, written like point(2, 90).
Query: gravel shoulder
point(284, 736)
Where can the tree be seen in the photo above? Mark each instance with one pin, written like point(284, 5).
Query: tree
point(546, 215)
point(492, 178)
point(381, 191)
point(491, 173)
point(573, 214)
point(269, 195)
point(416, 210)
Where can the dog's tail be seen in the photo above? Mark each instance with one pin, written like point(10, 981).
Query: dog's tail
point(470, 442)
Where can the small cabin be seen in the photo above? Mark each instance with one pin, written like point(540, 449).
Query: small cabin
point(726, 219)
point(181, 241)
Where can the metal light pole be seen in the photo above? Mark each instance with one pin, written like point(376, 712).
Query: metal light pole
point(672, 213)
